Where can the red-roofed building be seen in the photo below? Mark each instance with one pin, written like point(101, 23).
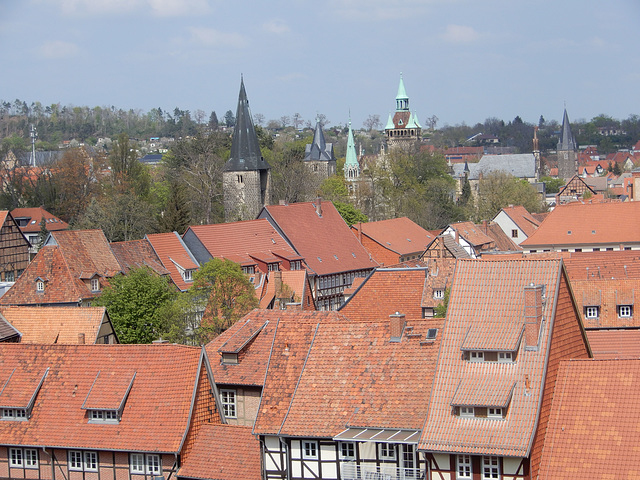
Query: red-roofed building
point(175, 257)
point(332, 254)
point(133, 254)
point(29, 220)
point(285, 289)
point(509, 323)
point(516, 222)
point(594, 422)
point(60, 325)
point(587, 227)
point(471, 238)
point(70, 269)
point(102, 411)
point(14, 249)
point(392, 241)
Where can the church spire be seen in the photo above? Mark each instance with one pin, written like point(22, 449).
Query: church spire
point(402, 99)
point(318, 148)
point(567, 142)
point(245, 148)
point(351, 165)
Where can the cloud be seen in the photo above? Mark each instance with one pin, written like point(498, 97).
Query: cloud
point(58, 49)
point(174, 8)
point(379, 10)
point(460, 34)
point(276, 26)
point(208, 37)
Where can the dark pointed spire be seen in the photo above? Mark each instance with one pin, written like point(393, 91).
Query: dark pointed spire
point(245, 149)
point(319, 144)
point(566, 142)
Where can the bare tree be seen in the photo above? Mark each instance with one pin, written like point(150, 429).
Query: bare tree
point(258, 119)
point(297, 120)
point(431, 122)
point(284, 120)
point(372, 122)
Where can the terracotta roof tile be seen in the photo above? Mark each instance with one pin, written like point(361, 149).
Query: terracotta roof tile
point(137, 254)
point(594, 422)
point(522, 218)
point(471, 233)
point(589, 224)
point(156, 412)
point(87, 252)
point(60, 325)
point(400, 235)
point(490, 294)
point(325, 241)
point(623, 343)
point(223, 452)
point(35, 216)
point(172, 252)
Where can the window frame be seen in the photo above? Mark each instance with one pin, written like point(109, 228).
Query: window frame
point(495, 412)
point(592, 311)
point(466, 412)
point(514, 233)
point(347, 450)
point(309, 449)
point(83, 461)
point(229, 407)
point(625, 311)
point(476, 356)
point(438, 294)
point(95, 284)
point(19, 414)
point(387, 451)
point(489, 470)
point(153, 464)
point(463, 462)
point(136, 463)
point(505, 357)
point(39, 286)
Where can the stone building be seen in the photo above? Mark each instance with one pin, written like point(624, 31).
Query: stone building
point(247, 175)
point(319, 157)
point(567, 151)
point(403, 129)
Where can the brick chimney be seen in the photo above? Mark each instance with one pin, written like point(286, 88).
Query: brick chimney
point(533, 298)
point(277, 281)
point(319, 206)
point(81, 339)
point(396, 326)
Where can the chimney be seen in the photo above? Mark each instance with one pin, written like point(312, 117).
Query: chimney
point(319, 206)
point(533, 297)
point(283, 202)
point(277, 281)
point(81, 339)
point(396, 326)
point(360, 232)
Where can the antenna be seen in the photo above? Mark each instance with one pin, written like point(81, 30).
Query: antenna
point(33, 134)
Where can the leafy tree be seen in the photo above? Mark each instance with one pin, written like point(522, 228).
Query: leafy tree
point(134, 303)
point(227, 293)
point(176, 217)
point(350, 214)
point(499, 189)
point(552, 185)
point(42, 234)
point(441, 309)
point(334, 189)
point(229, 119)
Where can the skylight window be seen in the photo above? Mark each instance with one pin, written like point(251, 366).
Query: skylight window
point(14, 414)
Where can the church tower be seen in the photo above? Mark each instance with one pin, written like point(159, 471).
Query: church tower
point(351, 164)
point(567, 151)
point(247, 176)
point(403, 129)
point(319, 157)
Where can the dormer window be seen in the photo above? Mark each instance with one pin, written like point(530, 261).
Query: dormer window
point(103, 416)
point(39, 286)
point(14, 414)
point(489, 357)
point(592, 312)
point(296, 265)
point(476, 356)
point(494, 412)
point(505, 357)
point(95, 285)
point(273, 267)
point(625, 311)
point(187, 275)
point(249, 270)
point(467, 412)
point(229, 358)
point(438, 294)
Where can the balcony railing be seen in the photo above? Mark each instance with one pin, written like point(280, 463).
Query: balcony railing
point(352, 471)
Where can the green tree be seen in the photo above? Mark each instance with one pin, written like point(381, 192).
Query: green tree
point(350, 214)
point(226, 292)
point(42, 234)
point(176, 217)
point(499, 189)
point(127, 172)
point(552, 185)
point(441, 308)
point(134, 303)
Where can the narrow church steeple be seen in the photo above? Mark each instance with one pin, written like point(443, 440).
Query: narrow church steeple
point(402, 99)
point(566, 142)
point(351, 164)
point(567, 151)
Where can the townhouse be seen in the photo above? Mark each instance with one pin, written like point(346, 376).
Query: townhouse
point(14, 249)
point(516, 222)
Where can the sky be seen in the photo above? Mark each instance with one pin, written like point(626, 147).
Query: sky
point(461, 60)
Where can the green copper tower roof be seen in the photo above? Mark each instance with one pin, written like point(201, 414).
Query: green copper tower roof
point(390, 125)
point(402, 100)
point(351, 157)
point(245, 149)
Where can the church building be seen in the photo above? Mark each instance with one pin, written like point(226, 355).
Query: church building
point(567, 151)
point(319, 157)
point(403, 129)
point(247, 175)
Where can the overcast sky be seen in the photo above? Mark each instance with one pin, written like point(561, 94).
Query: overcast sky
point(461, 60)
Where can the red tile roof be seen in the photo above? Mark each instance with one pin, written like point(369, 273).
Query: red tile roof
point(223, 452)
point(623, 343)
point(87, 252)
point(155, 416)
point(486, 313)
point(401, 235)
point(35, 216)
point(522, 218)
point(580, 223)
point(387, 291)
point(61, 325)
point(137, 254)
point(327, 375)
point(325, 241)
point(595, 421)
point(172, 252)
point(471, 233)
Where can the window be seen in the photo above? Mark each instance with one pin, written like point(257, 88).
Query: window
point(240, 179)
point(273, 267)
point(505, 357)
point(106, 416)
point(625, 311)
point(15, 457)
point(347, 450)
point(187, 275)
point(23, 458)
point(95, 285)
point(14, 414)
point(467, 412)
point(83, 461)
point(490, 468)
point(9, 277)
point(309, 449)
point(494, 412)
point(514, 233)
point(295, 265)
point(249, 270)
point(387, 451)
point(592, 312)
point(228, 398)
point(30, 458)
point(229, 358)
point(476, 356)
point(463, 467)
point(438, 294)
point(140, 464)
point(39, 286)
